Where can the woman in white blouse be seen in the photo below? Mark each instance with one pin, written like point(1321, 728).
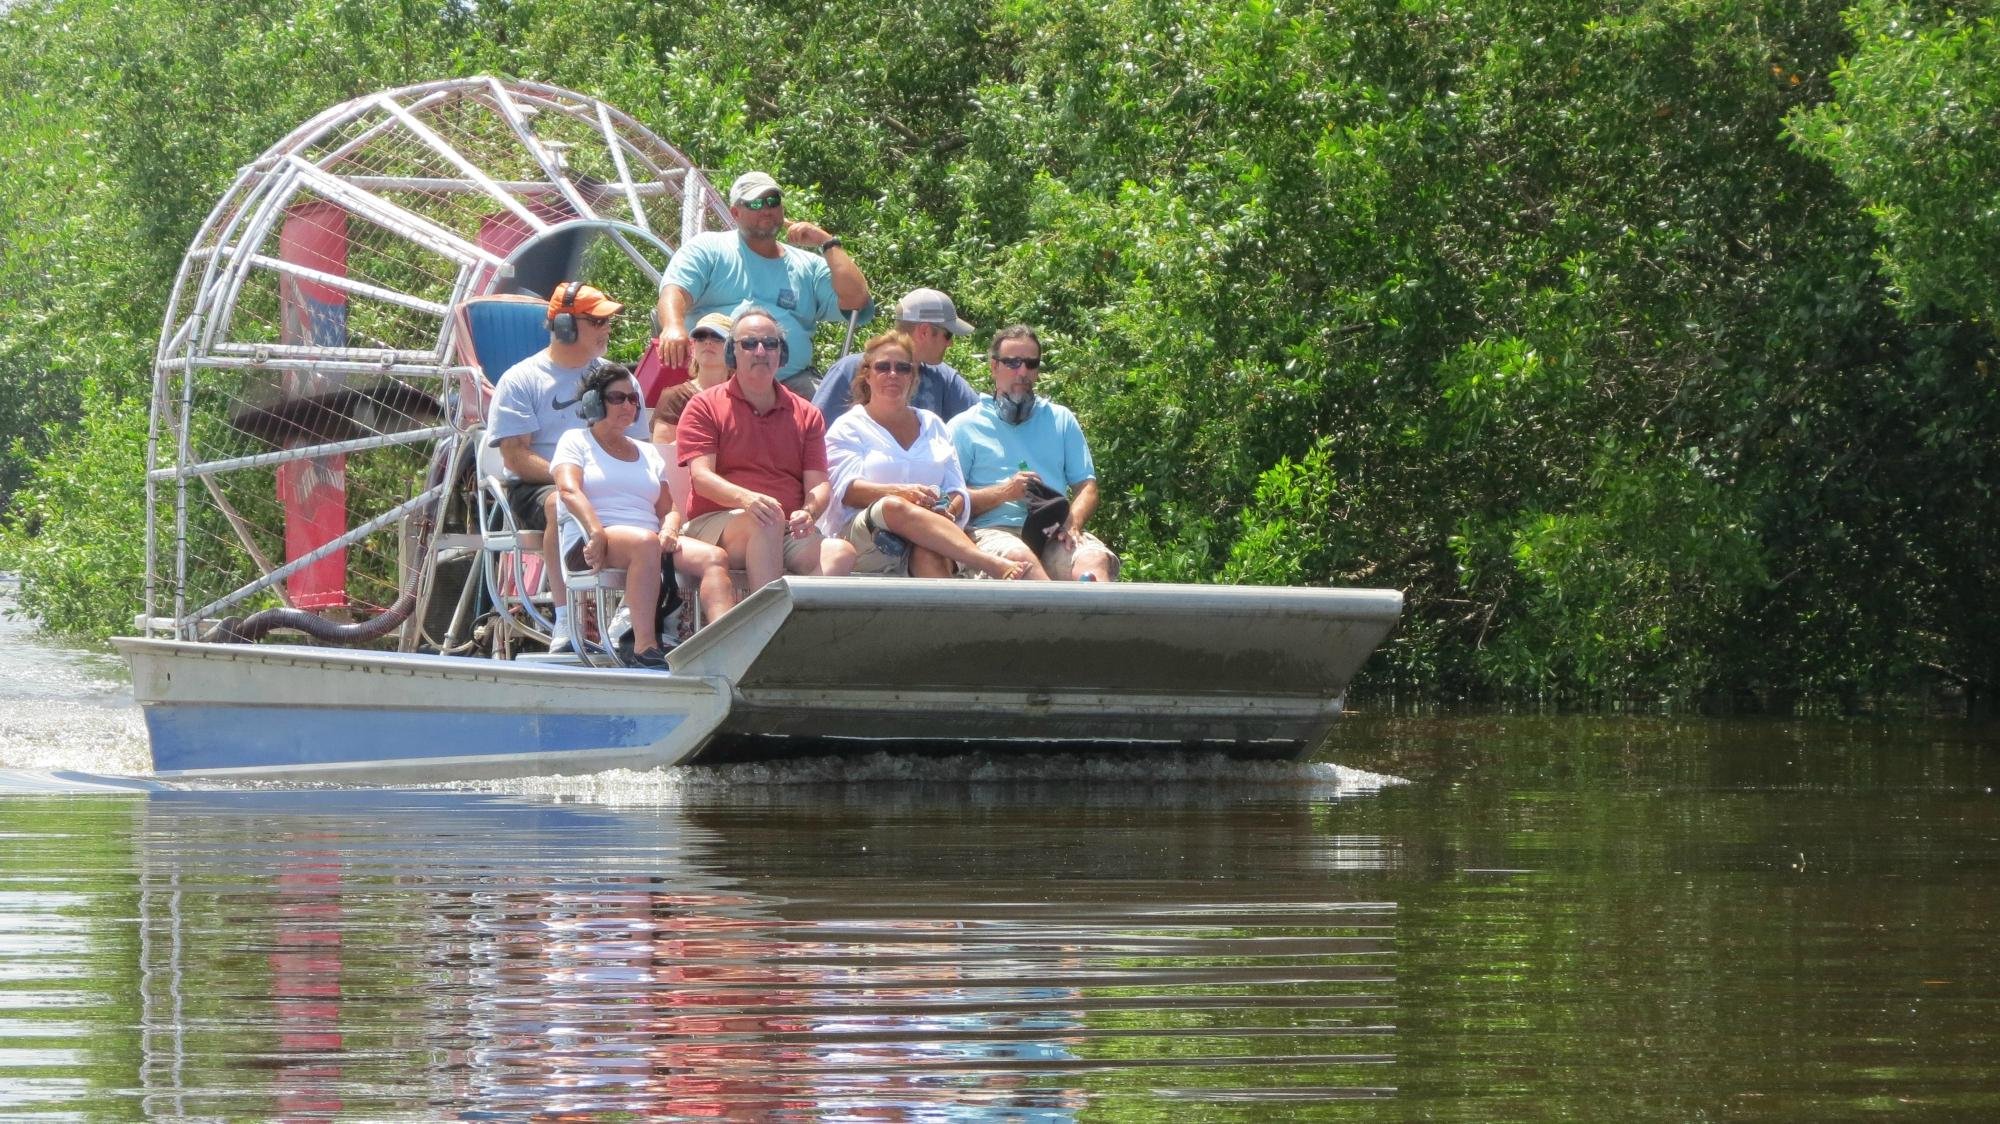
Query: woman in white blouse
point(897, 493)
point(618, 511)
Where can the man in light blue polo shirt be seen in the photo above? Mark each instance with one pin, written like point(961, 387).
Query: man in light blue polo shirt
point(1013, 437)
point(811, 281)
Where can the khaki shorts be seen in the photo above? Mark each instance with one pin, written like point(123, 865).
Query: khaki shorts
point(801, 554)
point(869, 558)
point(1057, 558)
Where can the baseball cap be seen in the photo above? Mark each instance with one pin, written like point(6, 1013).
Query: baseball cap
point(589, 302)
point(715, 322)
point(751, 185)
point(929, 306)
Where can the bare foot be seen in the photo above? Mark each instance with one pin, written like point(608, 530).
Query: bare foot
point(1006, 569)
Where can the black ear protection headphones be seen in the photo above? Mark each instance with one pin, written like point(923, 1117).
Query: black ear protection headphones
point(784, 351)
point(562, 325)
point(590, 405)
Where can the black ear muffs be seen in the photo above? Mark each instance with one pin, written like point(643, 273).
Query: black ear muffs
point(591, 406)
point(729, 351)
point(562, 325)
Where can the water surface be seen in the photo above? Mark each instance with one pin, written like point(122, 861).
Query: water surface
point(1559, 919)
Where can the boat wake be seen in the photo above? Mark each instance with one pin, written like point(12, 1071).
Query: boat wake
point(1146, 778)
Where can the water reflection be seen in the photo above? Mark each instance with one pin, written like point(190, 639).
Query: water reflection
point(309, 954)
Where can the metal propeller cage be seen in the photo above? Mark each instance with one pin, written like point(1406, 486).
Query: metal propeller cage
point(311, 399)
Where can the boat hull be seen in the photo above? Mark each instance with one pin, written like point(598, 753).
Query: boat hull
point(285, 712)
point(839, 664)
point(804, 666)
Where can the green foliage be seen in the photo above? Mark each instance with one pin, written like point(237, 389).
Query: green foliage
point(1910, 130)
point(1543, 313)
point(77, 536)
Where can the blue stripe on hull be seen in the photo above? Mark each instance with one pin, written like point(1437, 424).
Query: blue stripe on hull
point(202, 738)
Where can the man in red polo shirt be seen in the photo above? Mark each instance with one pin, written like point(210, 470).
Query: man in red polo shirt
point(756, 456)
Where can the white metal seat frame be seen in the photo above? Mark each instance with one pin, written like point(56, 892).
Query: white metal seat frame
point(601, 589)
point(506, 546)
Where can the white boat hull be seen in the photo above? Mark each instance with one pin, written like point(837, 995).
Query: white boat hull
point(285, 712)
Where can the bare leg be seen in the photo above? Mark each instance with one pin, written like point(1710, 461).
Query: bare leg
point(758, 549)
point(1095, 561)
point(552, 547)
point(1017, 551)
point(937, 534)
point(637, 552)
point(926, 563)
point(709, 564)
point(837, 557)
point(1088, 560)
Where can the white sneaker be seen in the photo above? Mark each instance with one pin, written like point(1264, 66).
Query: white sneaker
point(559, 639)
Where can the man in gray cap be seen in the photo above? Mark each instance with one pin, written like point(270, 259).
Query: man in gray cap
point(797, 270)
point(930, 320)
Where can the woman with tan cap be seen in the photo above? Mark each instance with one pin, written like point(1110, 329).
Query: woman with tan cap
point(705, 345)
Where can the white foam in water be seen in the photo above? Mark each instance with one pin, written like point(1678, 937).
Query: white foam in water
point(64, 708)
point(664, 786)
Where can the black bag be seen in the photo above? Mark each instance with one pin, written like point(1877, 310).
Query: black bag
point(1048, 509)
point(670, 599)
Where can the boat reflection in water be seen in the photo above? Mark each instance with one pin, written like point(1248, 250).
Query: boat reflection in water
point(306, 953)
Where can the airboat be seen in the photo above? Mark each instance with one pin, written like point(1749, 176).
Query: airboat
point(330, 597)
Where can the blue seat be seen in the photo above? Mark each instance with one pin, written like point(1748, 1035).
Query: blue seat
point(494, 333)
point(498, 331)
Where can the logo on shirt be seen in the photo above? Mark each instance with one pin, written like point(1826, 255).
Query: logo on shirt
point(788, 300)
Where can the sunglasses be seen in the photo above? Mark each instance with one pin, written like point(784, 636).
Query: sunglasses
point(621, 398)
point(595, 321)
point(884, 366)
point(1015, 362)
point(707, 334)
point(759, 343)
point(772, 200)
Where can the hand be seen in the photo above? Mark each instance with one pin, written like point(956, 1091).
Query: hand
point(765, 510)
point(1067, 534)
point(595, 548)
point(954, 506)
point(1016, 486)
point(806, 234)
point(800, 524)
point(923, 495)
point(670, 540)
point(674, 345)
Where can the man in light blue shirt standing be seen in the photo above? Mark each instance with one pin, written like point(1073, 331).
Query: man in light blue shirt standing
point(1015, 438)
point(806, 279)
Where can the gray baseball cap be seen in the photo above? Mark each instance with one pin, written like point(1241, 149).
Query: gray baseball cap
point(928, 306)
point(751, 185)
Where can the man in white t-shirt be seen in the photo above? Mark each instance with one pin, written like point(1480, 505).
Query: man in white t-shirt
point(534, 404)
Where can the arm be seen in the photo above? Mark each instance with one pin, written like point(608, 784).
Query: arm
point(849, 284)
point(673, 311)
point(529, 467)
point(861, 493)
point(993, 495)
point(1082, 474)
point(569, 483)
point(800, 522)
point(1082, 505)
point(708, 482)
point(670, 518)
